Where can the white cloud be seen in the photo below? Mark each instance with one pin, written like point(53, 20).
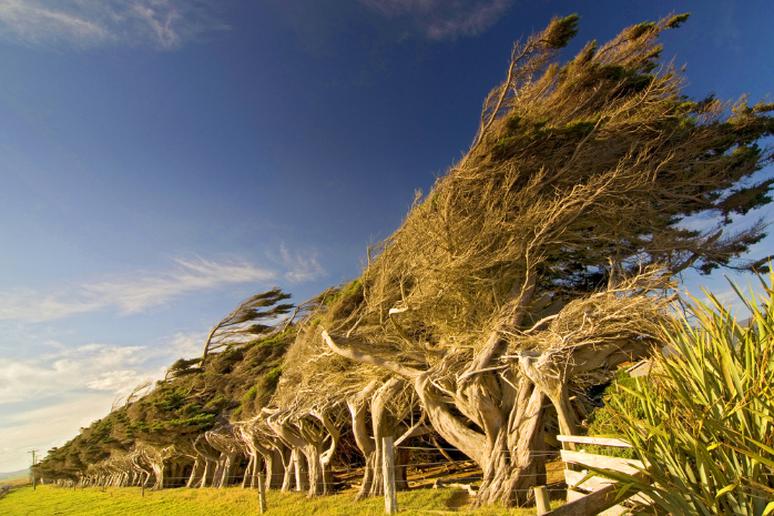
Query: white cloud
point(118, 381)
point(131, 293)
point(164, 24)
point(98, 367)
point(46, 399)
point(49, 394)
point(32, 306)
point(444, 19)
point(47, 426)
point(32, 22)
point(301, 267)
point(186, 345)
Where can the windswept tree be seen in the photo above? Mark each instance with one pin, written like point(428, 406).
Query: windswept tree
point(543, 259)
point(254, 317)
point(323, 391)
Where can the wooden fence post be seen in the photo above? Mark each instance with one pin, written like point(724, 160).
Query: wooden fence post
point(542, 504)
point(388, 472)
point(261, 492)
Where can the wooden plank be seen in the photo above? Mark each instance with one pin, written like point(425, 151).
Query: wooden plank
point(573, 495)
point(587, 439)
point(593, 483)
point(591, 504)
point(591, 460)
point(616, 510)
point(642, 498)
point(541, 500)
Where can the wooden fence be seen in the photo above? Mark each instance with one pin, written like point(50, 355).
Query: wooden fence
point(587, 493)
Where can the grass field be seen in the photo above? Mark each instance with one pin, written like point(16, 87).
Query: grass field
point(48, 500)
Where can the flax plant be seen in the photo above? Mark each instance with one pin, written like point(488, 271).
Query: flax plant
point(706, 431)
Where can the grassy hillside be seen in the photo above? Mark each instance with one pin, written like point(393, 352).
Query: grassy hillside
point(193, 502)
point(234, 383)
point(14, 475)
point(14, 479)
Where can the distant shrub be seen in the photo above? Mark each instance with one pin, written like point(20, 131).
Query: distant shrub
point(249, 395)
point(607, 420)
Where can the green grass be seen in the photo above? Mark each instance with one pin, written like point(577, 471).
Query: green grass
point(47, 500)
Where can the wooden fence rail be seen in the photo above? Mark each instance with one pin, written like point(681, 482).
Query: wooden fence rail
point(588, 493)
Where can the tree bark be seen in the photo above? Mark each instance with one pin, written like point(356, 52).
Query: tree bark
point(195, 472)
point(300, 470)
point(383, 423)
point(510, 420)
point(515, 463)
point(364, 442)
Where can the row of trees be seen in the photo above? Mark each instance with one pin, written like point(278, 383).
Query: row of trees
point(537, 265)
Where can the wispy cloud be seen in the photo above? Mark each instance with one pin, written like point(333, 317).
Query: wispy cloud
point(47, 426)
point(185, 344)
point(136, 293)
point(443, 19)
point(33, 22)
point(141, 290)
point(28, 305)
point(301, 267)
point(163, 24)
point(129, 293)
point(45, 399)
point(91, 367)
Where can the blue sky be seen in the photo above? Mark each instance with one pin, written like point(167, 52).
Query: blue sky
point(163, 159)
